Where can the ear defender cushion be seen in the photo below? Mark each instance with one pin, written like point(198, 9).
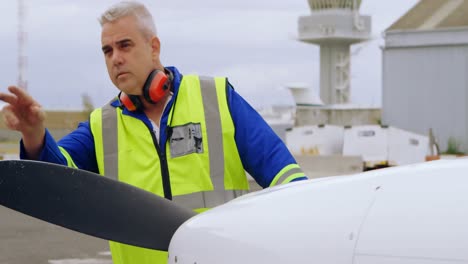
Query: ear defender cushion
point(131, 102)
point(155, 86)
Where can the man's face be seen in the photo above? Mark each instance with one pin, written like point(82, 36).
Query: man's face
point(130, 56)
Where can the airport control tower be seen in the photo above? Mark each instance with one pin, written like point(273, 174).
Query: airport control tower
point(334, 25)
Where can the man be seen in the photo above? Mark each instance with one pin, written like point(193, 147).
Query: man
point(187, 138)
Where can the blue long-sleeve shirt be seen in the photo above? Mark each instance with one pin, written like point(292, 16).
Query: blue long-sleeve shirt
point(262, 152)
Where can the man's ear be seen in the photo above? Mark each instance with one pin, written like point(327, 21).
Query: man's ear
point(156, 47)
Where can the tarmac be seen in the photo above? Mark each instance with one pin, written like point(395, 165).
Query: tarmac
point(24, 239)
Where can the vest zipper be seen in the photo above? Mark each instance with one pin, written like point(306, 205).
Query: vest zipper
point(166, 182)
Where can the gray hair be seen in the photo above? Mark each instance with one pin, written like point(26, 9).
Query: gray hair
point(131, 8)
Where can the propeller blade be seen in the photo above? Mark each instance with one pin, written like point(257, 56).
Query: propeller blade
point(90, 203)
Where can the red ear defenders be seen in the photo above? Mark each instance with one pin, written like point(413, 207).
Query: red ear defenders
point(153, 91)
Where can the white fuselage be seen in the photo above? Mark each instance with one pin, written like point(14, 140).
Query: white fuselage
point(405, 215)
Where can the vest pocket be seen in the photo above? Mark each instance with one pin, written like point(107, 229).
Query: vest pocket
point(185, 139)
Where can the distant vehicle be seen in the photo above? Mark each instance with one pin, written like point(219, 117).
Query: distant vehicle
point(407, 214)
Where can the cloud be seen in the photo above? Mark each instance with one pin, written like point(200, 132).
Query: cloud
point(253, 28)
point(256, 82)
point(246, 40)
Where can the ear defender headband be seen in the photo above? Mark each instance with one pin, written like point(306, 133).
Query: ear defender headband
point(154, 90)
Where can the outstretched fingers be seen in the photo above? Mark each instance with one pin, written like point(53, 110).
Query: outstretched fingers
point(8, 98)
point(22, 96)
point(22, 112)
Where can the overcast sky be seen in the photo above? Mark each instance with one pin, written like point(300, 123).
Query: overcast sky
point(250, 41)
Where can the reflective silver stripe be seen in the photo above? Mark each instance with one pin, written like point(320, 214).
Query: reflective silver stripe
point(109, 138)
point(287, 174)
point(214, 131)
point(208, 199)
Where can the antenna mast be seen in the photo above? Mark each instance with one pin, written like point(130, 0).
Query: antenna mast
point(22, 38)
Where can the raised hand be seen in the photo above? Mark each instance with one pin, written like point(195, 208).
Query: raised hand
point(24, 114)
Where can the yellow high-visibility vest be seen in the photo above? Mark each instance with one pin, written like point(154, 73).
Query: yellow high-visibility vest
point(202, 159)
